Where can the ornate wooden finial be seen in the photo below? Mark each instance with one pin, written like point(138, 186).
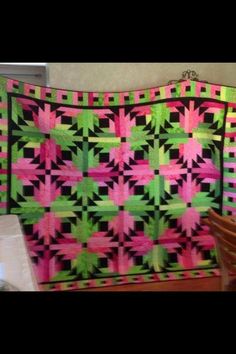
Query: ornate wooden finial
point(187, 75)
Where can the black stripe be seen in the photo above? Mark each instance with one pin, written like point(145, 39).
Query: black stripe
point(222, 162)
point(9, 108)
point(121, 106)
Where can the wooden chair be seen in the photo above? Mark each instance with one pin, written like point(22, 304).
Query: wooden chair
point(223, 229)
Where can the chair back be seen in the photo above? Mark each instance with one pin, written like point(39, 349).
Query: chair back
point(223, 229)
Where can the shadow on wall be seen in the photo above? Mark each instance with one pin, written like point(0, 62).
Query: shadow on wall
point(133, 76)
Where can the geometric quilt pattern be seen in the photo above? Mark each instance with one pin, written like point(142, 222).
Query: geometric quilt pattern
point(114, 193)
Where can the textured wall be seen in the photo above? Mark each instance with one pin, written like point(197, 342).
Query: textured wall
point(131, 76)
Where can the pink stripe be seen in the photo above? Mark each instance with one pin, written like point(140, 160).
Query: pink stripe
point(231, 119)
point(156, 277)
point(90, 98)
point(172, 240)
point(198, 89)
point(27, 88)
point(136, 97)
point(75, 98)
point(121, 98)
point(209, 180)
point(142, 162)
point(59, 95)
point(213, 104)
point(232, 180)
point(230, 194)
point(102, 175)
point(230, 149)
point(202, 274)
point(106, 99)
point(173, 103)
point(183, 87)
point(9, 85)
point(216, 87)
point(43, 93)
point(109, 282)
point(229, 208)
point(213, 93)
point(230, 164)
point(230, 135)
point(171, 276)
point(173, 172)
point(168, 92)
point(27, 101)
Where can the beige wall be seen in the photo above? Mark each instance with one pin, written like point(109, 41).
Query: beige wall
point(131, 76)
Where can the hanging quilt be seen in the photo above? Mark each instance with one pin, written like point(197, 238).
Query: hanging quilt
point(110, 188)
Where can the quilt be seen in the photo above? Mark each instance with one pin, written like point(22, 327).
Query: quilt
point(111, 187)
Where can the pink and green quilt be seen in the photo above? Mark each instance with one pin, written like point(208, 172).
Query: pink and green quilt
point(110, 188)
